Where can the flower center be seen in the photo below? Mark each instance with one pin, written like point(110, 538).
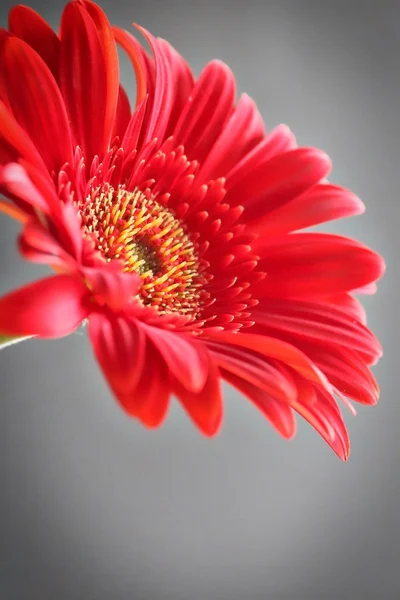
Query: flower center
point(151, 241)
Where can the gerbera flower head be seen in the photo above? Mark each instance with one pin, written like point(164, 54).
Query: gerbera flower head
point(175, 229)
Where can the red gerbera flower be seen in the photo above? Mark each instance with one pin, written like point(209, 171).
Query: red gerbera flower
point(175, 231)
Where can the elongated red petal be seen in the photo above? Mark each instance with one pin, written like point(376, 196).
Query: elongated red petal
point(254, 369)
point(136, 55)
point(110, 56)
point(48, 308)
point(277, 181)
point(89, 76)
point(244, 130)
point(316, 322)
point(315, 265)
point(149, 401)
point(119, 345)
point(278, 141)
point(29, 26)
point(207, 111)
point(324, 202)
point(122, 115)
point(36, 102)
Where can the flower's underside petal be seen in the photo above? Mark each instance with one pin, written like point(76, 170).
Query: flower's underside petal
point(279, 414)
point(206, 407)
point(315, 322)
point(48, 308)
point(186, 358)
point(324, 202)
point(324, 415)
point(36, 102)
point(29, 26)
point(271, 348)
point(254, 369)
point(89, 75)
point(277, 181)
point(207, 111)
point(243, 131)
point(346, 370)
point(319, 408)
point(314, 265)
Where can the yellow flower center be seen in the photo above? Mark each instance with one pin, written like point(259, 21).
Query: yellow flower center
point(149, 240)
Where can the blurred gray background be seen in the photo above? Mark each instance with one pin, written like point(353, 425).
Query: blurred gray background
point(96, 508)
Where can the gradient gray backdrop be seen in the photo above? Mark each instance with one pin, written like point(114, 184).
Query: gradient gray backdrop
point(96, 508)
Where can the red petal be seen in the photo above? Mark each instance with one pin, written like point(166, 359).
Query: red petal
point(119, 346)
point(36, 102)
point(162, 96)
point(315, 322)
point(207, 111)
point(136, 55)
point(254, 369)
point(327, 421)
point(277, 181)
point(150, 400)
point(324, 202)
point(279, 414)
point(14, 141)
point(314, 265)
point(272, 348)
point(204, 408)
point(29, 26)
point(186, 358)
point(110, 54)
point(278, 141)
point(89, 76)
point(183, 79)
point(123, 114)
point(243, 131)
point(48, 308)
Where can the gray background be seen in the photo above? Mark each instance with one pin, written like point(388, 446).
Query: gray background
point(96, 508)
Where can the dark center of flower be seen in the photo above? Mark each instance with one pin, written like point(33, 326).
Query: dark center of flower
point(149, 240)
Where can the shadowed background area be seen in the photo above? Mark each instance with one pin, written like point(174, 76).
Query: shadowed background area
point(97, 508)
